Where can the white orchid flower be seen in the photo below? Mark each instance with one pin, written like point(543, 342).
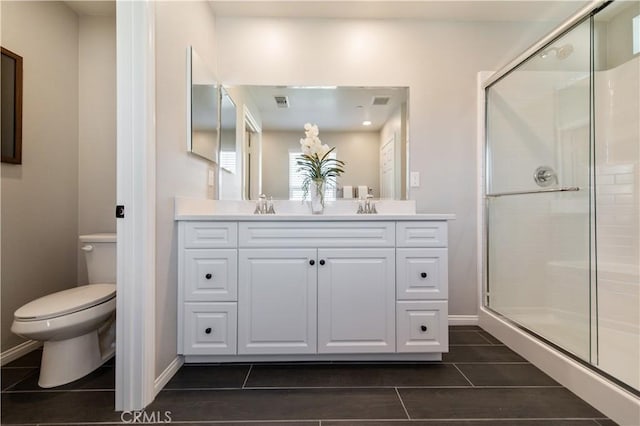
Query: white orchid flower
point(322, 150)
point(311, 130)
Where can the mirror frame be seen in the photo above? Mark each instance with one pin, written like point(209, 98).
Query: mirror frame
point(15, 106)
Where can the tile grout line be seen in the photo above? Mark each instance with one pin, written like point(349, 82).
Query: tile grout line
point(247, 376)
point(402, 402)
point(36, 391)
point(455, 419)
point(480, 334)
point(484, 345)
point(348, 387)
point(464, 375)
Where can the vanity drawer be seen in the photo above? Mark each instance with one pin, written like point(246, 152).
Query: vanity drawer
point(421, 273)
point(211, 275)
point(210, 328)
point(316, 234)
point(422, 326)
point(209, 234)
point(421, 234)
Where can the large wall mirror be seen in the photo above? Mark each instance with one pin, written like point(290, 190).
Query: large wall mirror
point(368, 126)
point(11, 107)
point(203, 114)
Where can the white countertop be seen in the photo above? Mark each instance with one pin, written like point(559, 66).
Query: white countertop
point(341, 210)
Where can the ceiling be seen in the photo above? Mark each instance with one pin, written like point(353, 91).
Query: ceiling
point(335, 109)
point(442, 10)
point(93, 7)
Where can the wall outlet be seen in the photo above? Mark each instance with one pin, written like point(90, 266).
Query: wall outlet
point(414, 179)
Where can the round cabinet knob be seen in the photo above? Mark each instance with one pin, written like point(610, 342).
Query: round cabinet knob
point(322, 261)
point(208, 276)
point(423, 274)
point(208, 330)
point(312, 262)
point(423, 328)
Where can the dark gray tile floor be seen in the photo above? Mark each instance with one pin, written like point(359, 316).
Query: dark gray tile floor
point(479, 383)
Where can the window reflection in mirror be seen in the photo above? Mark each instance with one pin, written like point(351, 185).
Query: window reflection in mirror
point(202, 108)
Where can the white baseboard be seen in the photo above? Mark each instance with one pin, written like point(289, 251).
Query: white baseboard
point(616, 403)
point(18, 351)
point(463, 320)
point(164, 377)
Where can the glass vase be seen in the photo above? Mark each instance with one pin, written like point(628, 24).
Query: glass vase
point(316, 190)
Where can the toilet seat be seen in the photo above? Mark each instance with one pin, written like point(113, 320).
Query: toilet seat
point(66, 302)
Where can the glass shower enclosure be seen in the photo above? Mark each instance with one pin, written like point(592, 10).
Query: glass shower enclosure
point(562, 161)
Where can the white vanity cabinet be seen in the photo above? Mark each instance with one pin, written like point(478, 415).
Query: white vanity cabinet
point(207, 270)
point(278, 290)
point(356, 298)
point(303, 289)
point(422, 287)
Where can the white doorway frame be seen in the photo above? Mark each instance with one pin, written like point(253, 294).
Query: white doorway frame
point(136, 191)
point(253, 168)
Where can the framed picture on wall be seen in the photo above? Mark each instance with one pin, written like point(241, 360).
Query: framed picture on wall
point(11, 107)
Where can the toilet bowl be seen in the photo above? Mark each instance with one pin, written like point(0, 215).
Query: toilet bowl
point(77, 325)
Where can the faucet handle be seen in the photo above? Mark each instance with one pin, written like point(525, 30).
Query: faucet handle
point(270, 209)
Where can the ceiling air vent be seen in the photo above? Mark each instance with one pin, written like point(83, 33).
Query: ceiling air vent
point(380, 100)
point(282, 101)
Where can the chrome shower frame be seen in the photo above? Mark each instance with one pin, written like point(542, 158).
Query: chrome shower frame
point(545, 43)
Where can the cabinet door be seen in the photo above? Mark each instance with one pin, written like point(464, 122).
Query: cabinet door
point(277, 296)
point(356, 300)
point(423, 326)
point(421, 273)
point(209, 329)
point(210, 275)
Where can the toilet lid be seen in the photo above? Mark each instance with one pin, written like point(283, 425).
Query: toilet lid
point(66, 302)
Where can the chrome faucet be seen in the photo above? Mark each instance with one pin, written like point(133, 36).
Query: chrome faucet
point(263, 206)
point(367, 206)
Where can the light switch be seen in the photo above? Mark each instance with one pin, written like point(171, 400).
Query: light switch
point(211, 177)
point(415, 179)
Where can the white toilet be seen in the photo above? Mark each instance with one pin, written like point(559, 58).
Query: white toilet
point(76, 325)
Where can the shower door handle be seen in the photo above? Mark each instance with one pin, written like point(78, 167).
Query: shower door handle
point(538, 191)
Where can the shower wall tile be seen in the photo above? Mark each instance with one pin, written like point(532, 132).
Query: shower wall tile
point(614, 189)
point(618, 220)
point(624, 178)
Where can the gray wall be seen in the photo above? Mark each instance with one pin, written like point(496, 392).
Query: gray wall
point(178, 25)
point(97, 128)
point(40, 197)
point(66, 184)
point(438, 61)
point(359, 150)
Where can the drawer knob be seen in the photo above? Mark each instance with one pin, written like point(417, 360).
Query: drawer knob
point(423, 328)
point(423, 274)
point(312, 262)
point(208, 276)
point(322, 261)
point(208, 330)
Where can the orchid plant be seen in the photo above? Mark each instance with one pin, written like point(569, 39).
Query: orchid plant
point(314, 163)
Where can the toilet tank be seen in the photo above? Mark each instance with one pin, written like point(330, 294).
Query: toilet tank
point(100, 256)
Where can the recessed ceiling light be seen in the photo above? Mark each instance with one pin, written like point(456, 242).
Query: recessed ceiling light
point(366, 123)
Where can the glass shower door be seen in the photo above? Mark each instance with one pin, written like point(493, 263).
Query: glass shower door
point(538, 200)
